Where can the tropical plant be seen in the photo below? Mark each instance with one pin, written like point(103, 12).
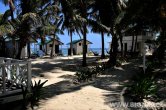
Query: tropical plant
point(70, 21)
point(85, 73)
point(108, 12)
point(34, 94)
point(98, 27)
point(81, 9)
point(5, 29)
point(143, 88)
point(144, 16)
point(32, 15)
point(12, 7)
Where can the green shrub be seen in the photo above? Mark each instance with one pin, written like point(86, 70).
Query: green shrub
point(86, 74)
point(142, 88)
point(82, 74)
point(34, 94)
point(36, 90)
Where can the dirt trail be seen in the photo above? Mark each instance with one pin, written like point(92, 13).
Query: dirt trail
point(62, 94)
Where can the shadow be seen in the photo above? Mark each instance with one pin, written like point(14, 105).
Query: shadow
point(60, 88)
point(114, 81)
point(72, 65)
point(67, 77)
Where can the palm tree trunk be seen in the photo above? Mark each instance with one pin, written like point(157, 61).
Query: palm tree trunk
point(14, 48)
point(12, 15)
point(71, 44)
point(132, 43)
point(52, 49)
point(102, 40)
point(135, 47)
point(29, 49)
point(121, 44)
point(113, 54)
point(84, 46)
point(12, 8)
point(25, 9)
point(19, 51)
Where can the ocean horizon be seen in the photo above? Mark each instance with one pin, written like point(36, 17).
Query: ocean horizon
point(98, 50)
point(65, 50)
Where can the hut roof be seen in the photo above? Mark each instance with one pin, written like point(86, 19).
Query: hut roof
point(48, 41)
point(76, 41)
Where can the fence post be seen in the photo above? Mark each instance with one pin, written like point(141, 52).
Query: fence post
point(8, 69)
point(29, 75)
point(17, 72)
point(1, 62)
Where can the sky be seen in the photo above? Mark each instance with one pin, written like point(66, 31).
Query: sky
point(92, 37)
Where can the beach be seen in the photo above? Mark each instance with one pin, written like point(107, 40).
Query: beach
point(105, 92)
point(62, 94)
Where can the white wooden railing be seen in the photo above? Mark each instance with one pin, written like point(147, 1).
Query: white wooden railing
point(13, 74)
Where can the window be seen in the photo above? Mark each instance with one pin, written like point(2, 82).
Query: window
point(50, 45)
point(79, 44)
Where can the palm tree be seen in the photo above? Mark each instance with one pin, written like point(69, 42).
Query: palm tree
point(99, 28)
point(70, 21)
point(108, 12)
point(81, 8)
point(11, 5)
point(5, 29)
point(26, 24)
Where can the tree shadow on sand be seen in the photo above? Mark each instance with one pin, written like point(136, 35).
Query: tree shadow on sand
point(52, 66)
point(60, 88)
point(112, 80)
point(115, 80)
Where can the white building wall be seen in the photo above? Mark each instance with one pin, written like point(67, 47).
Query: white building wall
point(75, 48)
point(48, 48)
point(140, 40)
point(79, 48)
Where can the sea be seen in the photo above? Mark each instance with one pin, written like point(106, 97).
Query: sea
point(97, 50)
point(65, 50)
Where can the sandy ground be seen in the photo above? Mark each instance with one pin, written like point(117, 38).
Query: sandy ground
point(103, 93)
point(62, 94)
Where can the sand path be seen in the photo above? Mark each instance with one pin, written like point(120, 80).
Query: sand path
point(62, 94)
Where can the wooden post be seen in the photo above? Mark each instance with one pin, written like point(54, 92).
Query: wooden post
point(29, 75)
point(1, 62)
point(17, 72)
point(3, 79)
point(8, 69)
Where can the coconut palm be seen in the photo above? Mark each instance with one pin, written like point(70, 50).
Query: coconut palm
point(142, 15)
point(70, 21)
point(81, 8)
point(29, 19)
point(108, 11)
point(5, 29)
point(11, 5)
point(98, 27)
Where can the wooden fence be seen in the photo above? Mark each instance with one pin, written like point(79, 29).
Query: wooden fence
point(13, 74)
